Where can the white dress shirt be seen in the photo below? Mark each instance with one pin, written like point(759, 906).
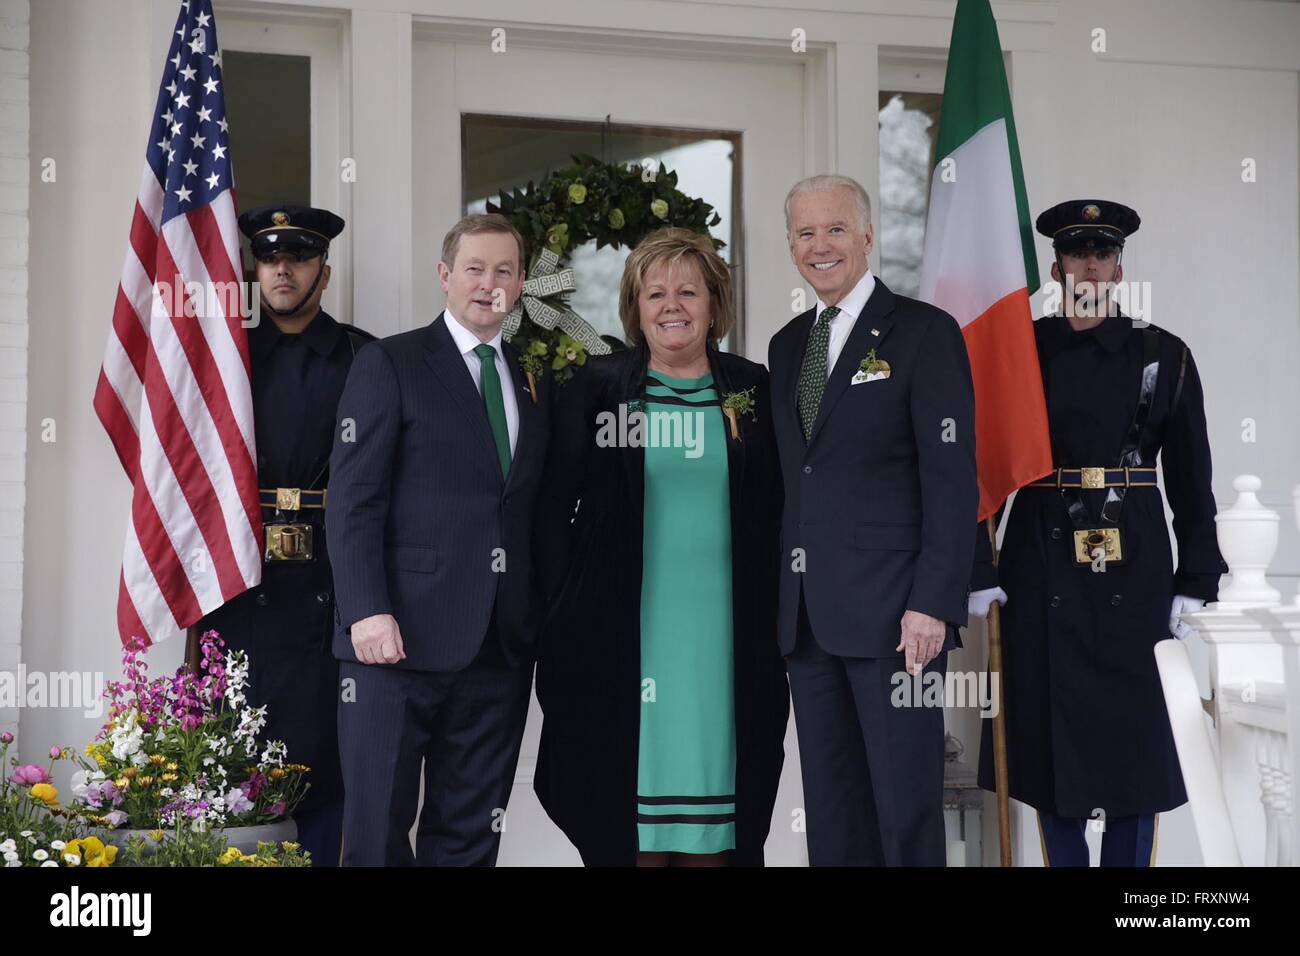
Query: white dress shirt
point(851, 307)
point(467, 341)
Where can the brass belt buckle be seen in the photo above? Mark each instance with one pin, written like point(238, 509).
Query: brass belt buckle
point(1092, 478)
point(288, 499)
point(1088, 540)
point(288, 542)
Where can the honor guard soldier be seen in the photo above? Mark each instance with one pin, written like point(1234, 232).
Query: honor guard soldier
point(1089, 580)
point(300, 361)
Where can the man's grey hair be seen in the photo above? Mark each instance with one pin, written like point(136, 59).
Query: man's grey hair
point(832, 181)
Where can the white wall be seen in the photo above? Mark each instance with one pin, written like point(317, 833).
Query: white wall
point(1187, 89)
point(14, 125)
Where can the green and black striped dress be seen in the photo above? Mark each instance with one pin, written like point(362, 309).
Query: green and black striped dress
point(686, 780)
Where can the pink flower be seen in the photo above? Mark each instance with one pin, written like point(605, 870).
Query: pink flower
point(6, 738)
point(115, 818)
point(276, 809)
point(237, 801)
point(29, 774)
point(55, 752)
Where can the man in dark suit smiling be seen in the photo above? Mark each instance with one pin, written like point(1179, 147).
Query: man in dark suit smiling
point(875, 418)
point(435, 470)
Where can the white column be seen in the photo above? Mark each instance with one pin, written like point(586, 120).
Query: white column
point(14, 192)
point(381, 145)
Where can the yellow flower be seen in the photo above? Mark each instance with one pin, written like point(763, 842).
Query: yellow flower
point(91, 851)
point(156, 759)
point(277, 773)
point(121, 783)
point(156, 835)
point(104, 856)
point(145, 781)
point(289, 845)
point(130, 773)
point(46, 793)
point(232, 855)
point(168, 777)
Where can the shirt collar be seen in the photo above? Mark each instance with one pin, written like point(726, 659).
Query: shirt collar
point(853, 303)
point(322, 335)
point(1111, 333)
point(466, 341)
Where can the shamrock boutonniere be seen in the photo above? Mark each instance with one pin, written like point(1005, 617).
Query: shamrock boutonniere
point(873, 366)
point(531, 363)
point(735, 404)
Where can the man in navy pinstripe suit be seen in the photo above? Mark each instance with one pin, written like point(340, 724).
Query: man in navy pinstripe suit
point(436, 465)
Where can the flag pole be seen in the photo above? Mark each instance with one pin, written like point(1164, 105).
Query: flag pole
point(999, 716)
point(192, 655)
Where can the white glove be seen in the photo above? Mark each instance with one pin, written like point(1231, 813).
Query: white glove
point(979, 602)
point(1182, 605)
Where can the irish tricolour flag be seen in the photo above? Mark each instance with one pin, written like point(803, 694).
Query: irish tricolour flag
point(979, 257)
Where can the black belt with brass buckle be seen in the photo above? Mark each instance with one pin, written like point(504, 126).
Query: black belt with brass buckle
point(291, 540)
point(1092, 478)
point(291, 499)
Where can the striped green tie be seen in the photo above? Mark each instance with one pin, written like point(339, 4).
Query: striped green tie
point(812, 377)
point(496, 406)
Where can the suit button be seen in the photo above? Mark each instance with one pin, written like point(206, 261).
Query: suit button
point(1056, 534)
point(323, 597)
point(807, 469)
point(1114, 600)
point(261, 599)
point(1055, 601)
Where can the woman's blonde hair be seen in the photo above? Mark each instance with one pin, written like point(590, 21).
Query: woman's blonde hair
point(670, 246)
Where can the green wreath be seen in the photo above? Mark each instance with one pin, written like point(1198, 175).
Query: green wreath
point(614, 205)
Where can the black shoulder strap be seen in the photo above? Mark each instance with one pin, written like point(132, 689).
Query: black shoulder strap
point(1178, 388)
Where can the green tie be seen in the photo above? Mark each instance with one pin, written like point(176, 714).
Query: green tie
point(496, 406)
point(812, 377)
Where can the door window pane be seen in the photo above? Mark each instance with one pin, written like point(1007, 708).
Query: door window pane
point(268, 107)
point(909, 127)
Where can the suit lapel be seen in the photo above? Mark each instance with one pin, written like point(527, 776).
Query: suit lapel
point(530, 422)
point(449, 367)
point(787, 398)
point(868, 332)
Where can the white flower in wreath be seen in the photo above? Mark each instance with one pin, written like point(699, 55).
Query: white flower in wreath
point(50, 863)
point(8, 846)
point(40, 855)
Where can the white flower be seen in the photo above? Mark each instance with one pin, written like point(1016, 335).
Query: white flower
point(10, 856)
point(25, 833)
point(50, 863)
point(8, 846)
point(14, 862)
point(58, 845)
point(80, 784)
point(40, 855)
point(72, 859)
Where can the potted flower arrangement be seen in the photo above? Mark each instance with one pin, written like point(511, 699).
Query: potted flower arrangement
point(177, 775)
point(32, 830)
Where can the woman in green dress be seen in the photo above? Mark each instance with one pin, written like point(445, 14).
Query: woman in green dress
point(664, 693)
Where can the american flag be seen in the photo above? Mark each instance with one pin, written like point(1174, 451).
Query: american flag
point(174, 392)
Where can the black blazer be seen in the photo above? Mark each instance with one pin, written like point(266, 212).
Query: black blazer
point(421, 523)
point(883, 498)
point(589, 657)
